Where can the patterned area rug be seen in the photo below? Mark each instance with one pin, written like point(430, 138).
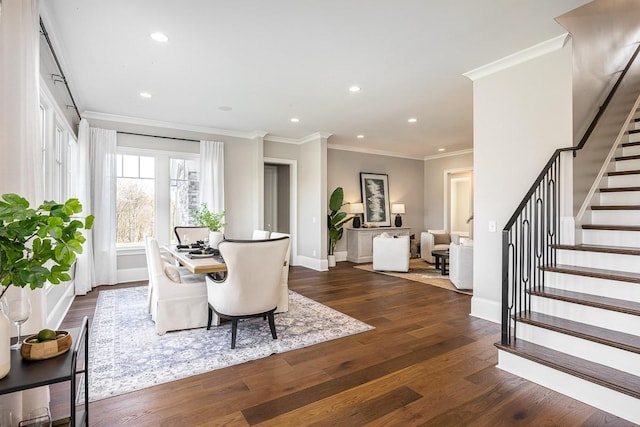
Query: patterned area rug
point(420, 271)
point(126, 354)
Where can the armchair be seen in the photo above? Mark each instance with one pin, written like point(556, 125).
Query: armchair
point(391, 253)
point(252, 285)
point(260, 235)
point(461, 263)
point(433, 240)
point(175, 301)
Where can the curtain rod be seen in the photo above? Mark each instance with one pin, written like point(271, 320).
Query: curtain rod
point(62, 76)
point(158, 136)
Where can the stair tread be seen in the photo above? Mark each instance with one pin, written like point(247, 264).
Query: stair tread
point(632, 144)
point(615, 207)
point(621, 250)
point(597, 334)
point(595, 272)
point(618, 189)
point(622, 158)
point(619, 173)
point(606, 303)
point(611, 227)
point(605, 376)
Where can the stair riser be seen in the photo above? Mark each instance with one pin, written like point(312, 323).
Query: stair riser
point(623, 181)
point(622, 360)
point(607, 261)
point(633, 150)
point(619, 404)
point(627, 239)
point(621, 322)
point(620, 198)
point(627, 165)
point(617, 217)
point(634, 137)
point(593, 286)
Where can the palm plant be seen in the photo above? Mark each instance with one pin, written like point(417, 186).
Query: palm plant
point(336, 218)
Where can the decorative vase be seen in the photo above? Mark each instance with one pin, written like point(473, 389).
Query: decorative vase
point(332, 260)
point(215, 237)
point(5, 343)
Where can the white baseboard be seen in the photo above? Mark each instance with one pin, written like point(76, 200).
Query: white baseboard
point(313, 263)
point(486, 309)
point(132, 275)
point(341, 256)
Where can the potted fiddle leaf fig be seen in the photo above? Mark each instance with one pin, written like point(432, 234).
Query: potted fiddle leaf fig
point(38, 245)
point(335, 222)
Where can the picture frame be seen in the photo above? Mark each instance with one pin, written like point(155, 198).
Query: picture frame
point(374, 190)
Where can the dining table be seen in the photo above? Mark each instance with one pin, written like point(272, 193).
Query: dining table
point(196, 263)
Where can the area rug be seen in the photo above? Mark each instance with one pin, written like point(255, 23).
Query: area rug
point(126, 354)
point(420, 271)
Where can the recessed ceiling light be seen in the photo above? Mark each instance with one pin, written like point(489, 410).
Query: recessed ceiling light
point(145, 94)
point(440, 149)
point(360, 136)
point(225, 108)
point(159, 37)
point(354, 89)
point(412, 120)
point(294, 120)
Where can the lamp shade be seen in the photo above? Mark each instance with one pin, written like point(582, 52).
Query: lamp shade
point(356, 208)
point(397, 208)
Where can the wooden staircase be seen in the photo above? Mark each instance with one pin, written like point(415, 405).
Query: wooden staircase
point(581, 336)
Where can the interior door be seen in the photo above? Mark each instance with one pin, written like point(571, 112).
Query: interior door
point(270, 198)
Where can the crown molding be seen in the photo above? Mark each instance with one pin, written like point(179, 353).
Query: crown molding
point(298, 141)
point(370, 151)
point(452, 154)
point(524, 55)
point(169, 125)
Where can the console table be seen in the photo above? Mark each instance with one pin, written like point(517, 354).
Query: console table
point(360, 241)
point(26, 374)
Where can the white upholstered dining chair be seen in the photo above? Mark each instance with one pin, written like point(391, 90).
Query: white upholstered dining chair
point(175, 301)
point(251, 287)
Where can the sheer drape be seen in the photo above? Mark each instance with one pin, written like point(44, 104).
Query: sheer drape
point(212, 175)
point(20, 154)
point(21, 157)
point(85, 277)
point(102, 167)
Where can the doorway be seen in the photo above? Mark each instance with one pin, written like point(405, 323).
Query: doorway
point(277, 197)
point(459, 206)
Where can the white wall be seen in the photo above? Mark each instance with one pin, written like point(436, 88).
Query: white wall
point(521, 115)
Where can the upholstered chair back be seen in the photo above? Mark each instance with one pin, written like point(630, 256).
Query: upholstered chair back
point(192, 233)
point(254, 272)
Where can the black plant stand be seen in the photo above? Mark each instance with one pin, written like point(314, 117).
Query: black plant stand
point(27, 374)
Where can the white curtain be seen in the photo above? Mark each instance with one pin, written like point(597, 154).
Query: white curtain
point(20, 154)
point(102, 167)
point(85, 278)
point(212, 175)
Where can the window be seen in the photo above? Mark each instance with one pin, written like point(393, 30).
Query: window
point(58, 174)
point(156, 190)
point(184, 191)
point(135, 189)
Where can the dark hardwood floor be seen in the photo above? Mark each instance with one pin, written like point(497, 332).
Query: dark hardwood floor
point(426, 363)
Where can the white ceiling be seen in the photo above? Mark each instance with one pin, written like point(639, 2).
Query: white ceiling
point(273, 60)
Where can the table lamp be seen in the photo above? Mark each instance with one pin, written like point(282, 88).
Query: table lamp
point(397, 208)
point(356, 209)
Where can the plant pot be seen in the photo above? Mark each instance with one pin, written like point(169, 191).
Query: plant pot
point(215, 237)
point(5, 344)
point(332, 260)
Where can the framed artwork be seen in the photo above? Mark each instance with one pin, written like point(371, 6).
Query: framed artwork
point(374, 189)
